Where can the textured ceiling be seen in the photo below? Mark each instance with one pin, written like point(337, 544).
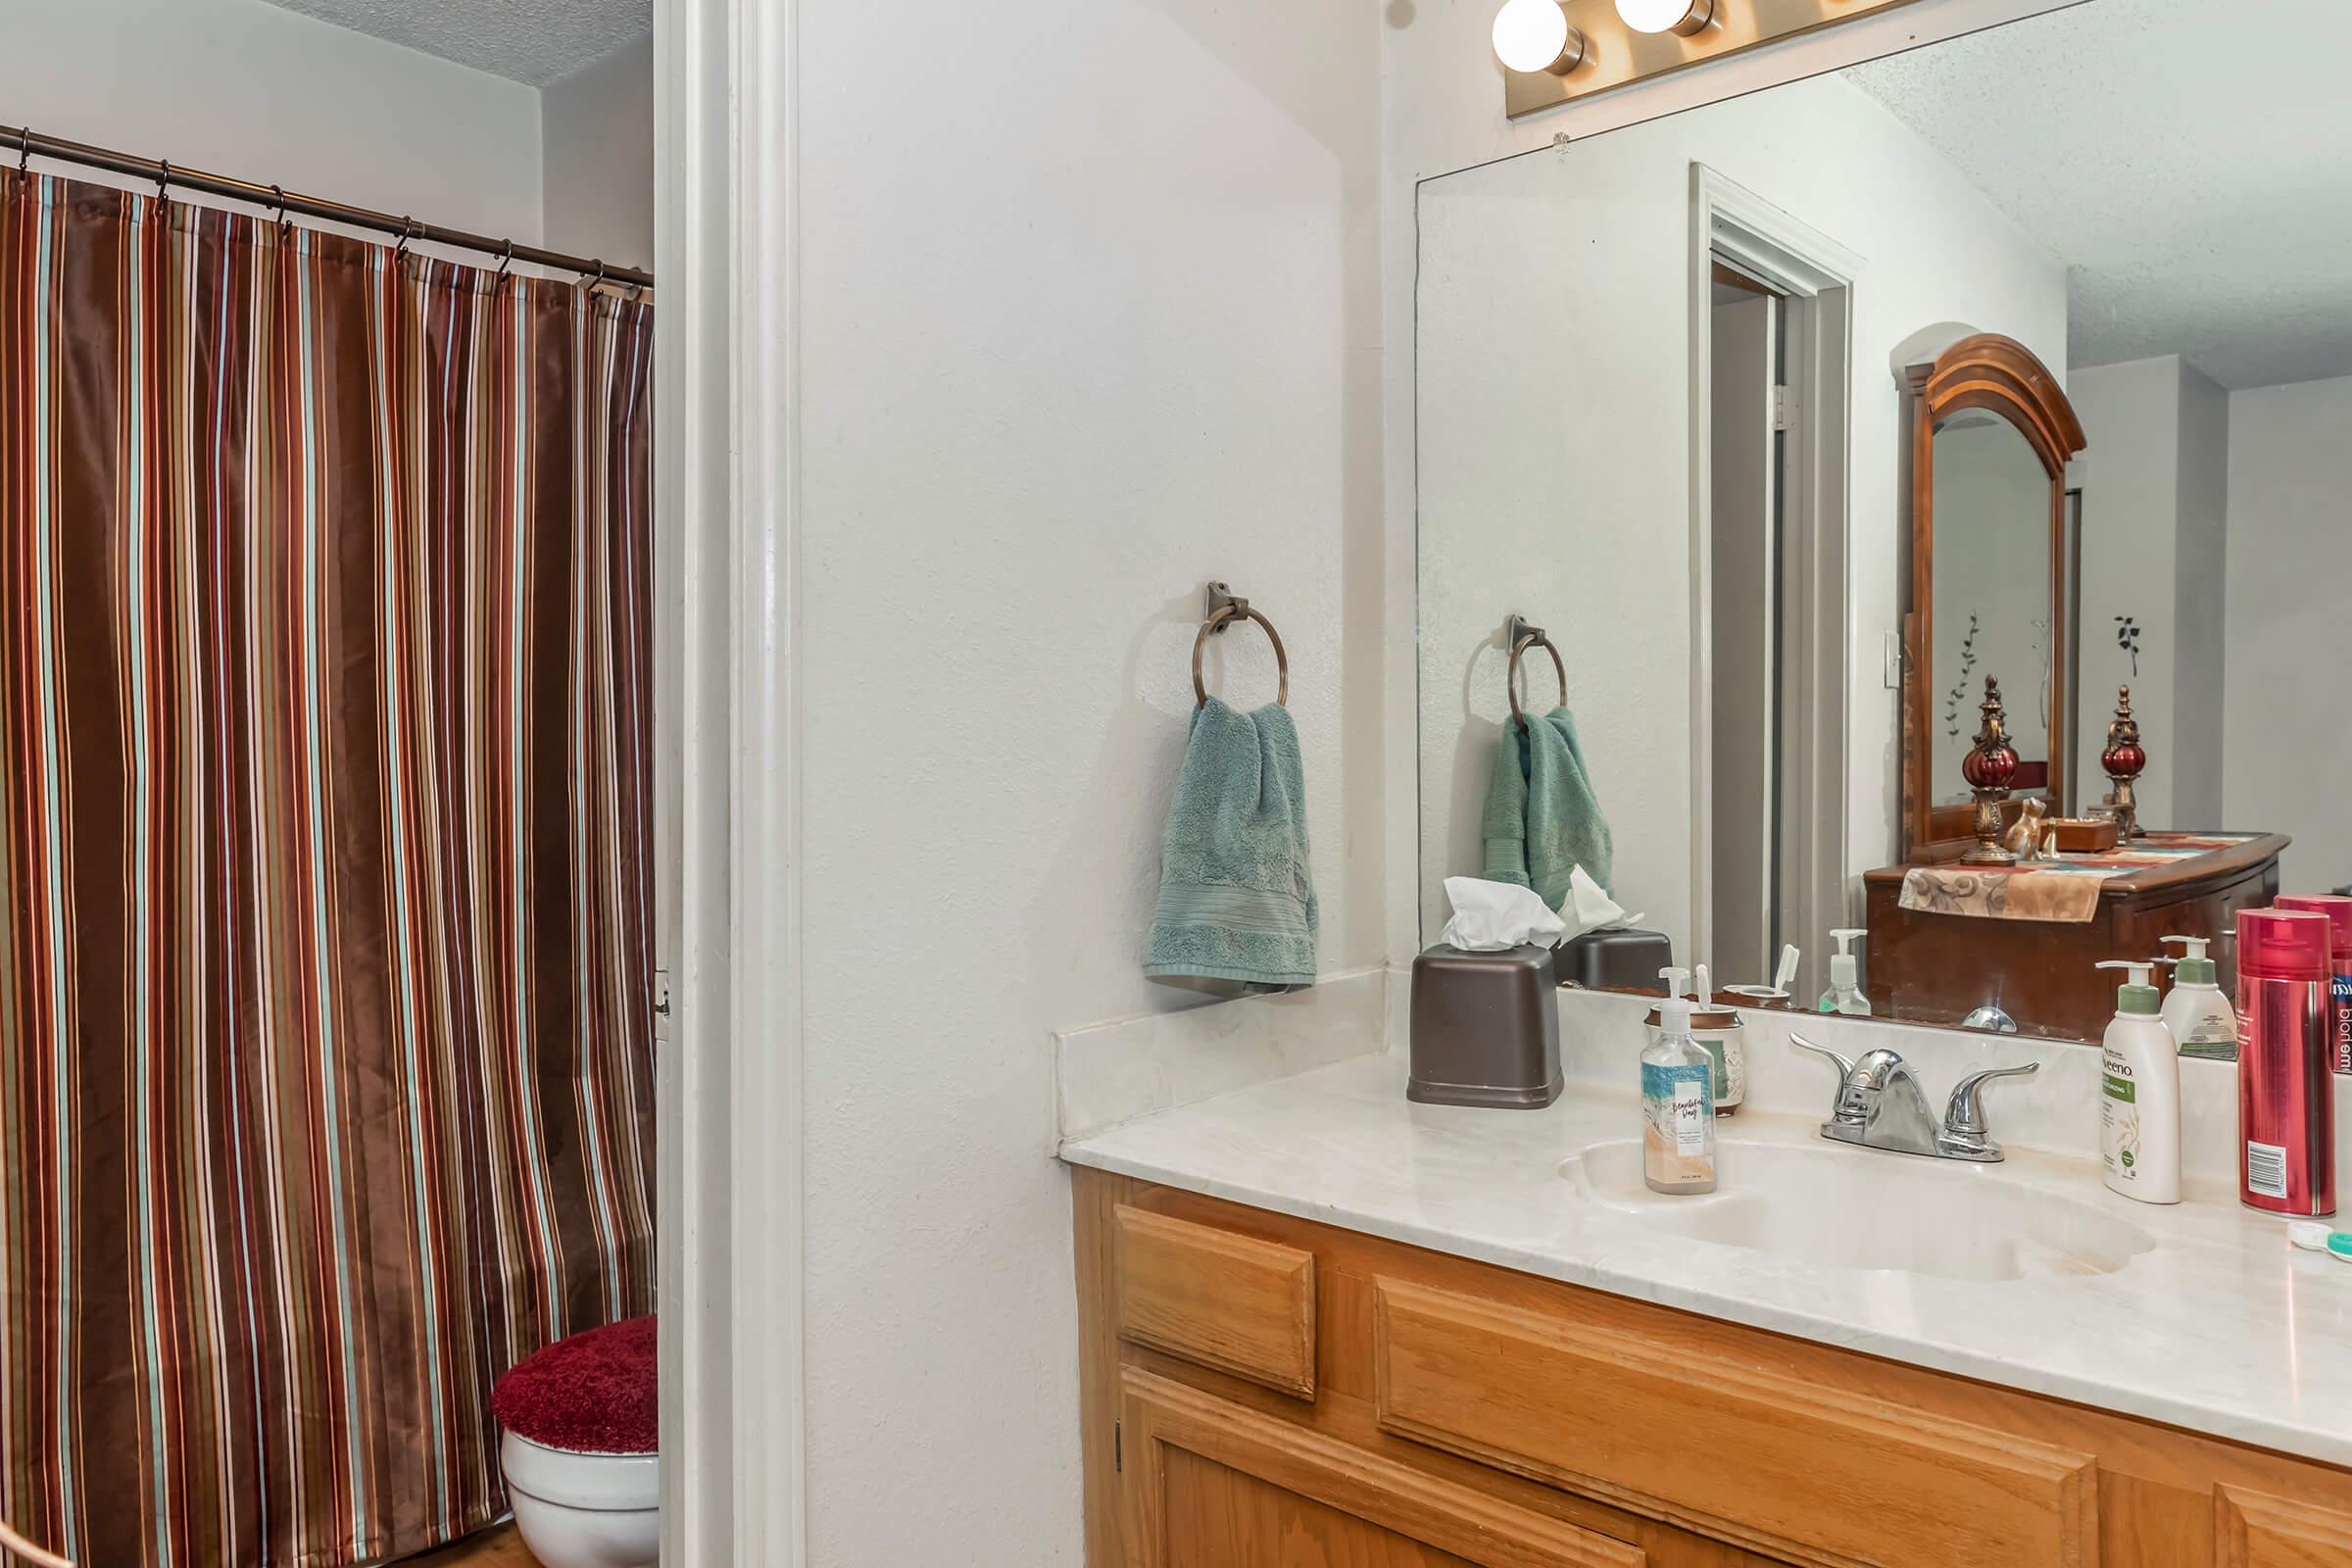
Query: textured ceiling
point(2191, 162)
point(532, 41)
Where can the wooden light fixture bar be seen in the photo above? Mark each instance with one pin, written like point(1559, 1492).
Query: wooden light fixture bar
point(1616, 56)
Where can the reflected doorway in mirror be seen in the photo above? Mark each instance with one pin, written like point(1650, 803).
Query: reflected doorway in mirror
point(1771, 330)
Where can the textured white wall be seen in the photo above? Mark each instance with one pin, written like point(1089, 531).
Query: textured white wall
point(241, 89)
point(2154, 479)
point(2200, 603)
point(1089, 300)
point(2288, 751)
point(2129, 476)
point(1554, 430)
point(597, 129)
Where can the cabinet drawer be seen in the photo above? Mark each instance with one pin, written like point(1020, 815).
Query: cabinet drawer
point(2254, 1530)
point(1230, 1303)
point(1743, 1453)
point(1207, 1481)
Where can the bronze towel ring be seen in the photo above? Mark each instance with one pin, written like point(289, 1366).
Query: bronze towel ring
point(1523, 637)
point(10, 1542)
point(1223, 611)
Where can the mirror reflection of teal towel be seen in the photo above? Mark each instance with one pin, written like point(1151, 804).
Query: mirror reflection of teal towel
point(1543, 819)
point(1236, 901)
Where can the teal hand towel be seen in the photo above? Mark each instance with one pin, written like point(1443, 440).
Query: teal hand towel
point(1543, 819)
point(1236, 901)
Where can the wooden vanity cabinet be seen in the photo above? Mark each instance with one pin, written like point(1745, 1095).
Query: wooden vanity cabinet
point(1261, 1392)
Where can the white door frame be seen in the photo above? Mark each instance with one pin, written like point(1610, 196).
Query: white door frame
point(728, 720)
point(1745, 806)
point(1818, 277)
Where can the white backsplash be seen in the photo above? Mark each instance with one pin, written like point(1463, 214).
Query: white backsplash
point(1108, 1073)
point(2057, 1110)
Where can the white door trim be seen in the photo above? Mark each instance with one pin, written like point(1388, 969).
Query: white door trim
point(728, 728)
point(1805, 265)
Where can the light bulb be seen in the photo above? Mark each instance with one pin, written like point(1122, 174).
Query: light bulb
point(1684, 17)
point(1535, 35)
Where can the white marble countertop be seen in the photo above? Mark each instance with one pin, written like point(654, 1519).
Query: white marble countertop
point(2221, 1327)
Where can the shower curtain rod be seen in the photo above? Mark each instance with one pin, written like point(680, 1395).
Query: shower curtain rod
point(29, 144)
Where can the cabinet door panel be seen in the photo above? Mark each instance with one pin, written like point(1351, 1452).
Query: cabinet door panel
point(1815, 1473)
point(1221, 1518)
point(2254, 1530)
point(1209, 1484)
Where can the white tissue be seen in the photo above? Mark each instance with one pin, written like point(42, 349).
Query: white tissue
point(1494, 916)
point(1587, 908)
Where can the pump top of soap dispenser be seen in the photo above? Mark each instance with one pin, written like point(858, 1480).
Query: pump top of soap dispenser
point(2193, 968)
point(1674, 1018)
point(2138, 993)
point(1844, 974)
point(1677, 979)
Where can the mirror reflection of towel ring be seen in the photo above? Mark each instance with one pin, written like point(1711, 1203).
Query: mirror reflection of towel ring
point(1282, 660)
point(1511, 681)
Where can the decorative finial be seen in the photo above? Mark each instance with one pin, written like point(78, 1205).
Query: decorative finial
point(1990, 768)
point(1992, 731)
point(2124, 760)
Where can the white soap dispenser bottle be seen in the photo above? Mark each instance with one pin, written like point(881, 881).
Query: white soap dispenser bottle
point(1846, 978)
point(2140, 1098)
point(2198, 1011)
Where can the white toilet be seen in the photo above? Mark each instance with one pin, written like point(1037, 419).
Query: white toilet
point(585, 1510)
point(581, 1449)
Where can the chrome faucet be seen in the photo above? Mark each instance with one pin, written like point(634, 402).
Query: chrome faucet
point(1881, 1105)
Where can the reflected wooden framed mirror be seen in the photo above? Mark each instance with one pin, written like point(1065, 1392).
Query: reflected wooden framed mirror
point(1990, 434)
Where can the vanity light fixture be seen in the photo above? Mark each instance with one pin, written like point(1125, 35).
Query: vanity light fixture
point(1575, 49)
point(1535, 35)
point(1684, 17)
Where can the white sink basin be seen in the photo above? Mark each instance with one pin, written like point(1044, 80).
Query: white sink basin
point(1866, 1209)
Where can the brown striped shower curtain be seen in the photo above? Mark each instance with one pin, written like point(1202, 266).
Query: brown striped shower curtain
point(326, 1049)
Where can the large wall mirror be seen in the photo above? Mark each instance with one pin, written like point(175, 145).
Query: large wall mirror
point(1795, 419)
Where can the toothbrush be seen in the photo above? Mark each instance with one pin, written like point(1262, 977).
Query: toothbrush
point(1706, 991)
point(1788, 970)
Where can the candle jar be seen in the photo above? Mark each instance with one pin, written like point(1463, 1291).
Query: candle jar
point(1722, 1036)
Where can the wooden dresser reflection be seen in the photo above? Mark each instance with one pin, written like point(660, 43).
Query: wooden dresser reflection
point(1926, 965)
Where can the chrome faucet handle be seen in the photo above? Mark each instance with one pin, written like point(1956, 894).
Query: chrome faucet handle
point(1850, 1107)
point(1964, 1114)
point(1846, 1064)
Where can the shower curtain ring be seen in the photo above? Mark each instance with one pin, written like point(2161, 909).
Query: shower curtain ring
point(163, 182)
point(407, 230)
point(505, 263)
point(597, 281)
point(25, 150)
point(278, 200)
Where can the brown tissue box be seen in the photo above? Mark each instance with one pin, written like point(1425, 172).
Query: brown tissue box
point(1627, 960)
point(1486, 1029)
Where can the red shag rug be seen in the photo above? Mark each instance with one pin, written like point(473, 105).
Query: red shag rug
point(593, 1393)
